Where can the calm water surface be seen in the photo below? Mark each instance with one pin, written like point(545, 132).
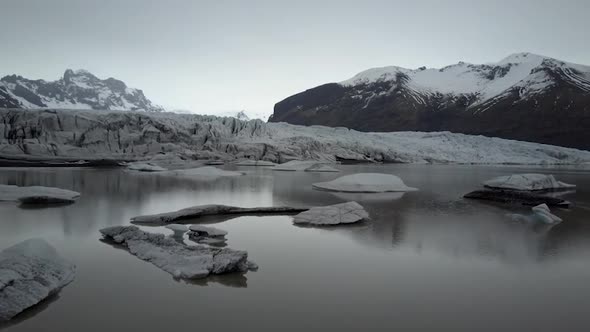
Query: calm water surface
point(428, 260)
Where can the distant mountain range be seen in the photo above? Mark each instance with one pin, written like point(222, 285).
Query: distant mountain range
point(240, 115)
point(525, 96)
point(75, 90)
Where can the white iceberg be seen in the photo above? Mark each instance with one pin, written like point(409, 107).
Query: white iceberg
point(344, 213)
point(365, 183)
point(145, 167)
point(180, 260)
point(209, 210)
point(207, 231)
point(541, 214)
point(37, 194)
point(527, 182)
point(30, 272)
point(304, 165)
point(257, 163)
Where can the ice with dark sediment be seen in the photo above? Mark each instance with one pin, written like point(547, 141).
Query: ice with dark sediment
point(30, 272)
point(180, 260)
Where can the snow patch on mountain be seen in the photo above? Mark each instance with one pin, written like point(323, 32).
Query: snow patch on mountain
point(523, 71)
point(75, 90)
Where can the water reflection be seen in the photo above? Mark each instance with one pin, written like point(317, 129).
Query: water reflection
point(420, 250)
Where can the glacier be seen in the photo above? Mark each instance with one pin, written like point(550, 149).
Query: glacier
point(72, 135)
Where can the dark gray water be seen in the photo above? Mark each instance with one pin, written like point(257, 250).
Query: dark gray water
point(428, 260)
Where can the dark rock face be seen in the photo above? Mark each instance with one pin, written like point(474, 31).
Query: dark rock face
point(76, 90)
point(549, 104)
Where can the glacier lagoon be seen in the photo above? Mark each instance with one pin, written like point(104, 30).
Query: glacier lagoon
point(427, 259)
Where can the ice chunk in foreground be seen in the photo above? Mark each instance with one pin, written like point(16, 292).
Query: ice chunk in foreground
point(37, 194)
point(528, 182)
point(145, 167)
point(180, 260)
point(30, 272)
point(365, 183)
point(344, 213)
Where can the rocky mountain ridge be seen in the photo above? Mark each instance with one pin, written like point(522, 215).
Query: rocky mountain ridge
point(524, 96)
point(75, 90)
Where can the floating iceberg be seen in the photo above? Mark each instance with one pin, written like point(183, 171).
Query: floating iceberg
point(365, 183)
point(145, 167)
point(544, 214)
point(540, 215)
point(37, 194)
point(209, 210)
point(30, 272)
point(527, 182)
point(180, 260)
point(207, 235)
point(207, 231)
point(304, 165)
point(344, 213)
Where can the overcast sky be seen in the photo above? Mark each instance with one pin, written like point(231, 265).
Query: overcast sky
point(213, 56)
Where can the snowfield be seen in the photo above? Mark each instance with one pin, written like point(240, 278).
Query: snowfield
point(90, 135)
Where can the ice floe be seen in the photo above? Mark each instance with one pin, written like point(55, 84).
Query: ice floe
point(37, 194)
point(30, 272)
point(209, 210)
point(207, 231)
point(365, 183)
point(343, 213)
point(540, 214)
point(180, 260)
point(145, 167)
point(527, 182)
point(207, 235)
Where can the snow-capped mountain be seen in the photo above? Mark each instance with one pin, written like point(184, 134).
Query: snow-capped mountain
point(75, 90)
point(524, 96)
point(244, 115)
